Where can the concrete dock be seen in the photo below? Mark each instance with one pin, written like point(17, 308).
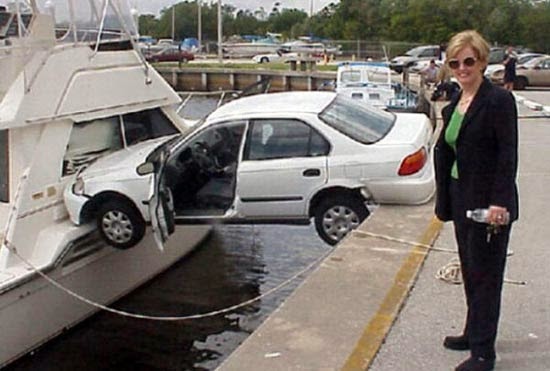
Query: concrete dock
point(374, 303)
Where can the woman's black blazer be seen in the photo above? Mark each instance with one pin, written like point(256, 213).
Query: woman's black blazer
point(487, 154)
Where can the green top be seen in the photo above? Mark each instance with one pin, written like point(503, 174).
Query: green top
point(451, 134)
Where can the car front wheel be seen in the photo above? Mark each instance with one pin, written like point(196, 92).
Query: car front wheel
point(120, 224)
point(336, 216)
point(520, 83)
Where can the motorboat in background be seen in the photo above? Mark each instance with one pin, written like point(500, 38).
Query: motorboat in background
point(371, 82)
point(314, 49)
point(70, 94)
point(248, 47)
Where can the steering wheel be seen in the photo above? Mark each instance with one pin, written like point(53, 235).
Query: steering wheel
point(204, 158)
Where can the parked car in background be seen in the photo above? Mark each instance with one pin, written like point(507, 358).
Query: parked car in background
point(169, 54)
point(279, 56)
point(521, 60)
point(425, 52)
point(283, 158)
point(536, 72)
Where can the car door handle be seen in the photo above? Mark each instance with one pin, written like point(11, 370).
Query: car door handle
point(311, 172)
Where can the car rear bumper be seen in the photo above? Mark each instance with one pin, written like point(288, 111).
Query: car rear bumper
point(407, 190)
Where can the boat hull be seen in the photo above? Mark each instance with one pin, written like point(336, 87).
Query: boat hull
point(35, 311)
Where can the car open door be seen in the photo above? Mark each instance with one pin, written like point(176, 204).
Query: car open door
point(161, 206)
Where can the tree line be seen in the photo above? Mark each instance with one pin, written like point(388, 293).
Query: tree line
point(504, 22)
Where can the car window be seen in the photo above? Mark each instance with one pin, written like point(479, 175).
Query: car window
point(284, 138)
point(428, 53)
point(4, 166)
point(90, 140)
point(414, 52)
point(357, 120)
point(145, 125)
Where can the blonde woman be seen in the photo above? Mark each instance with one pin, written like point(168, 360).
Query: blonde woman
point(476, 167)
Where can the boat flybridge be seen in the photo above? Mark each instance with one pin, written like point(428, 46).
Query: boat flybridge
point(73, 88)
point(371, 82)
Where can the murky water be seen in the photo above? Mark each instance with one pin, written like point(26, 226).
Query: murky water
point(235, 264)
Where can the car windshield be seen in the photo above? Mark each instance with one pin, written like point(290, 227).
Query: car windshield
point(533, 62)
point(357, 120)
point(415, 51)
point(522, 59)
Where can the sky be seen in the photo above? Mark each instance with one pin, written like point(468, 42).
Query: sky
point(154, 6)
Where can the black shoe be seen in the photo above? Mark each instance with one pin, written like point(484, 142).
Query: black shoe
point(456, 342)
point(476, 364)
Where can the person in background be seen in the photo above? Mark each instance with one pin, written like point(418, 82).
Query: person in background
point(430, 73)
point(509, 69)
point(476, 160)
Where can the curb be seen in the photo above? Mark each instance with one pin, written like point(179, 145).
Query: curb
point(379, 326)
point(535, 106)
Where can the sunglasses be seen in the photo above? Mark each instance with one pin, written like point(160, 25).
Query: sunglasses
point(468, 62)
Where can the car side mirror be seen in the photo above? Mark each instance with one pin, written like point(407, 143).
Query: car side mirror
point(145, 168)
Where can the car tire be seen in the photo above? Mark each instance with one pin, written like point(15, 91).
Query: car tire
point(520, 83)
point(120, 224)
point(264, 60)
point(336, 216)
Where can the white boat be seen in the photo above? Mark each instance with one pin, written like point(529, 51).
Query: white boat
point(371, 82)
point(63, 93)
point(245, 49)
point(316, 49)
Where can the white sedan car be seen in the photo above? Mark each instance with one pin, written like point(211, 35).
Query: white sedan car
point(273, 57)
point(282, 158)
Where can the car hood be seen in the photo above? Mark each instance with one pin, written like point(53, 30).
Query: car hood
point(123, 160)
point(409, 128)
point(403, 59)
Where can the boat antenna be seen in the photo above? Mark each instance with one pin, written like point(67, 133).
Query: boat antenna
point(388, 62)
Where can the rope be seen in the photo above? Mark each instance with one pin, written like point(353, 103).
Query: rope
point(450, 272)
point(402, 241)
point(13, 249)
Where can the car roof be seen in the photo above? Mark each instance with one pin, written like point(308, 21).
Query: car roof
point(298, 102)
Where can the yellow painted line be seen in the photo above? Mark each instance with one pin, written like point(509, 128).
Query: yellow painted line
point(379, 326)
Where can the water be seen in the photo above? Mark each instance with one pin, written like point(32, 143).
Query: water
point(235, 264)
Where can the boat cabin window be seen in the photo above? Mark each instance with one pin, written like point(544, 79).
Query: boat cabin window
point(145, 125)
point(350, 76)
point(90, 140)
point(4, 167)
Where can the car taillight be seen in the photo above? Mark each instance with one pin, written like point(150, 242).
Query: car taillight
point(413, 163)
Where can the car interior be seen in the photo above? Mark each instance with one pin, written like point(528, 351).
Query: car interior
point(201, 174)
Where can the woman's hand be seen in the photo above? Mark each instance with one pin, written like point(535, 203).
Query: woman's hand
point(498, 215)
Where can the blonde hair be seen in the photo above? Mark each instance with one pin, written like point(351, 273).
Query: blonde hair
point(470, 38)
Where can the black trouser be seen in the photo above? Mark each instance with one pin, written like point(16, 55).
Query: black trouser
point(482, 264)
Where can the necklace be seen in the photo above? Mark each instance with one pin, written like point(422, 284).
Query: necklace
point(464, 102)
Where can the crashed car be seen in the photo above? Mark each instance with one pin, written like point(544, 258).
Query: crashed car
point(283, 158)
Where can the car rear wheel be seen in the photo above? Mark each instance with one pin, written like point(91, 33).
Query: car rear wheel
point(520, 83)
point(120, 224)
point(336, 216)
point(264, 60)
